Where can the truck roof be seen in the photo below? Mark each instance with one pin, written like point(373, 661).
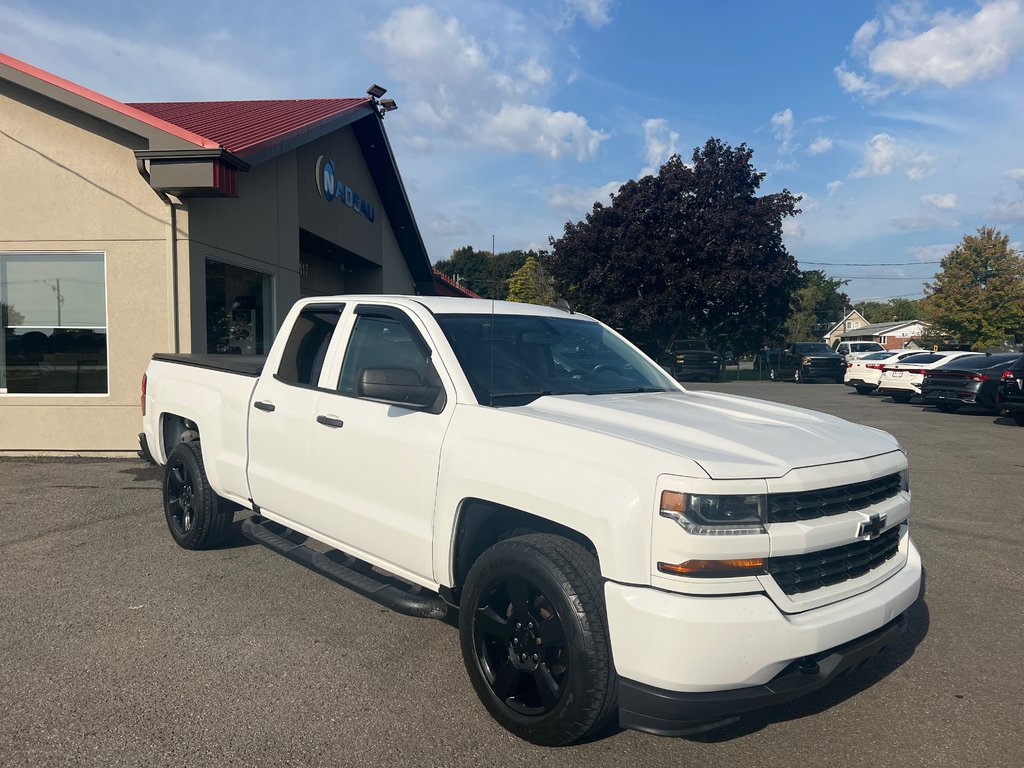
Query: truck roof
point(449, 304)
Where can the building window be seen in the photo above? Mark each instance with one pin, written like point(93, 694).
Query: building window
point(53, 310)
point(239, 310)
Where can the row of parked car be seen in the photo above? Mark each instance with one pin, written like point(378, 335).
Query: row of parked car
point(947, 379)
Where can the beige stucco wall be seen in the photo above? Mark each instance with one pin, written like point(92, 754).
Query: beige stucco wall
point(69, 183)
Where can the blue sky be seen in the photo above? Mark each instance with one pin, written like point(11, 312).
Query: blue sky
point(901, 123)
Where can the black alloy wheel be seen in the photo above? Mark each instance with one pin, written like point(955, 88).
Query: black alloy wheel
point(535, 640)
point(196, 516)
point(520, 643)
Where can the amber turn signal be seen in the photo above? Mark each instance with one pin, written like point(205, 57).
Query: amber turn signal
point(672, 501)
point(715, 568)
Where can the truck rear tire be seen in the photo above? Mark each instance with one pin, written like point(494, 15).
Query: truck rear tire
point(196, 516)
point(534, 637)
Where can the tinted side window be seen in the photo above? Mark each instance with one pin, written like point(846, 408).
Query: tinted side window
point(306, 349)
point(379, 342)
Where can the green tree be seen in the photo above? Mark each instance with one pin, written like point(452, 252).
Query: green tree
point(484, 272)
point(530, 284)
point(690, 251)
point(978, 295)
point(9, 316)
point(817, 302)
point(889, 311)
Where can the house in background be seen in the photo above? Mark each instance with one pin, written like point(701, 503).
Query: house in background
point(897, 334)
point(851, 321)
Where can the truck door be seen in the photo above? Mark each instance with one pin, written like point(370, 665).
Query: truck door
point(282, 413)
point(373, 466)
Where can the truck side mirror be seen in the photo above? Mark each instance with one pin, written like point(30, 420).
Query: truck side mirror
point(397, 386)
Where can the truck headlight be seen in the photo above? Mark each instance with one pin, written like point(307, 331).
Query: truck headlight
point(905, 479)
point(715, 515)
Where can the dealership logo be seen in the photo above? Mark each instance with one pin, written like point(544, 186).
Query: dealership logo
point(331, 188)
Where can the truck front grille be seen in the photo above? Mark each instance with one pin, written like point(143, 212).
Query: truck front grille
point(804, 573)
point(810, 505)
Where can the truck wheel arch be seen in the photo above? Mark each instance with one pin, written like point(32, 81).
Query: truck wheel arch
point(480, 524)
point(176, 429)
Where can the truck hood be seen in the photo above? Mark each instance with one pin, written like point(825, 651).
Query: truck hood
point(730, 437)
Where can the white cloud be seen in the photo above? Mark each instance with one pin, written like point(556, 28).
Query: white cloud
point(659, 144)
point(949, 49)
point(851, 82)
point(833, 187)
point(807, 203)
point(883, 155)
point(575, 201)
point(820, 146)
point(942, 202)
point(1007, 213)
point(526, 128)
point(466, 95)
point(912, 223)
point(792, 230)
point(864, 36)
point(127, 69)
point(782, 130)
point(442, 225)
point(1017, 174)
point(596, 13)
point(924, 253)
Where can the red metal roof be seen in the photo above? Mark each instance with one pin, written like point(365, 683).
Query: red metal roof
point(145, 116)
point(244, 126)
point(445, 286)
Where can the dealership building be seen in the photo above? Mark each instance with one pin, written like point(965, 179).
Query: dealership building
point(130, 229)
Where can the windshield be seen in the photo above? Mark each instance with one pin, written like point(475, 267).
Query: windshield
point(980, 362)
point(811, 348)
point(514, 359)
point(684, 345)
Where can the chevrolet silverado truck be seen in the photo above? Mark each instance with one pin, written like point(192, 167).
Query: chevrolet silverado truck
point(694, 359)
point(613, 543)
point(805, 361)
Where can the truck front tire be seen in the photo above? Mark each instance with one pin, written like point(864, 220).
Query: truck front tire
point(196, 516)
point(534, 637)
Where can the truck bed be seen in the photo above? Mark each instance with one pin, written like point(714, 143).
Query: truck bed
point(242, 365)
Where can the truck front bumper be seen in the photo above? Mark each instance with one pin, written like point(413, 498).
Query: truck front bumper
point(674, 713)
point(685, 661)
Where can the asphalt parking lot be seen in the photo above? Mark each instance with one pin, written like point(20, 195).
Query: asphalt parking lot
point(119, 648)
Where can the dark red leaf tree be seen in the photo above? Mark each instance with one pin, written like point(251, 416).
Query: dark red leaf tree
point(692, 251)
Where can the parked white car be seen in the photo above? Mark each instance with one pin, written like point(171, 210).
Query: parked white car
point(902, 380)
point(864, 372)
point(852, 350)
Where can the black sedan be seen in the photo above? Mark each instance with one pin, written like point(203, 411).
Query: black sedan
point(973, 380)
point(1011, 393)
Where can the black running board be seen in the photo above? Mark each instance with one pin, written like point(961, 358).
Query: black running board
point(346, 570)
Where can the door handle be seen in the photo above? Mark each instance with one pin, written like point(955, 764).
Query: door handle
point(264, 406)
point(330, 421)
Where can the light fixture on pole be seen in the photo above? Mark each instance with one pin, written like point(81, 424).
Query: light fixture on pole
point(375, 91)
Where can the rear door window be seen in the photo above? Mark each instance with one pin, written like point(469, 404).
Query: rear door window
point(306, 350)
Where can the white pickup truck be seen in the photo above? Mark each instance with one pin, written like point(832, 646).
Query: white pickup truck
point(613, 542)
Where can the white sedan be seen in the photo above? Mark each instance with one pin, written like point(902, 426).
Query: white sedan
point(864, 372)
point(902, 380)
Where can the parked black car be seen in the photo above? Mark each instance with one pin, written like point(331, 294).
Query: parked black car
point(967, 381)
point(1011, 393)
point(804, 361)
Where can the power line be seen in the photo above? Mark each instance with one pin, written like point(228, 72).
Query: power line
point(877, 277)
